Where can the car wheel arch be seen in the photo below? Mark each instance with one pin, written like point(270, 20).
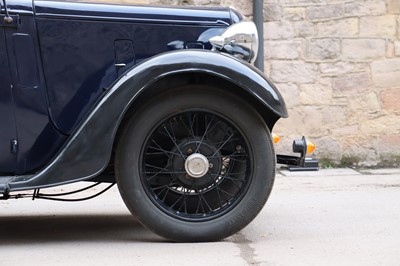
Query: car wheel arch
point(95, 136)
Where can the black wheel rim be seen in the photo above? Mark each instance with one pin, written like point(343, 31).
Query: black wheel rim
point(196, 165)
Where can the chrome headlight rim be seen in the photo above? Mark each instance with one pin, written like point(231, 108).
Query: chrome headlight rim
point(240, 40)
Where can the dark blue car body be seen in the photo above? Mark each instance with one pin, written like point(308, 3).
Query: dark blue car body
point(58, 61)
point(70, 72)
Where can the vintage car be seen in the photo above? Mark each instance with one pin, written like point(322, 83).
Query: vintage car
point(162, 101)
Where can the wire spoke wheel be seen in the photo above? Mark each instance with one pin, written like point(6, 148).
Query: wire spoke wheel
point(196, 165)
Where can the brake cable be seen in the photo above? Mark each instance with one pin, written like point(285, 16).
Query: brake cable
point(37, 195)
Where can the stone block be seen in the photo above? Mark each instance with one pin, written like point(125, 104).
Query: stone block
point(328, 148)
point(362, 67)
point(293, 71)
point(389, 145)
point(290, 93)
point(289, 126)
point(311, 121)
point(336, 68)
point(386, 125)
point(304, 29)
point(361, 150)
point(349, 130)
point(391, 99)
point(340, 100)
point(294, 13)
point(323, 49)
point(397, 48)
point(386, 73)
point(352, 83)
point(363, 49)
point(390, 49)
point(282, 49)
point(357, 116)
point(333, 116)
point(245, 7)
point(277, 30)
point(382, 26)
point(365, 8)
point(394, 6)
point(272, 12)
point(302, 120)
point(317, 93)
point(267, 67)
point(324, 12)
point(364, 103)
point(343, 28)
point(398, 28)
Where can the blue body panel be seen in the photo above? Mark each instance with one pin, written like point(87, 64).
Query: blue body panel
point(80, 47)
point(71, 70)
point(38, 139)
point(79, 60)
point(7, 117)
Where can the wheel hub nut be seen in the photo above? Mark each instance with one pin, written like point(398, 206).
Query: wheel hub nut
point(196, 165)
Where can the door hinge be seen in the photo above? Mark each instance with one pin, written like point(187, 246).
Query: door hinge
point(14, 146)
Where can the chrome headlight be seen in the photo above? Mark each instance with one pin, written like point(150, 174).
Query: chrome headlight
point(240, 40)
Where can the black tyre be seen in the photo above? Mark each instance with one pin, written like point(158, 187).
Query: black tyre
point(195, 165)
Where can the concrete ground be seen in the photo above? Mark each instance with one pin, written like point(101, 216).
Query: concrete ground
point(330, 217)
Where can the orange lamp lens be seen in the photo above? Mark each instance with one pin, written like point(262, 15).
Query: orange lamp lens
point(276, 138)
point(310, 147)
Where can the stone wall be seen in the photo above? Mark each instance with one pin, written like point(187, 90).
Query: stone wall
point(337, 63)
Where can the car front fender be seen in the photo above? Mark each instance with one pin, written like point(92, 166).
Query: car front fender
point(87, 151)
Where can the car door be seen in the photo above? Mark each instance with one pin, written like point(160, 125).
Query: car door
point(8, 134)
point(28, 138)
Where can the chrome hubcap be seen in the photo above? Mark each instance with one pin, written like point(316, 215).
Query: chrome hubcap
point(196, 165)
